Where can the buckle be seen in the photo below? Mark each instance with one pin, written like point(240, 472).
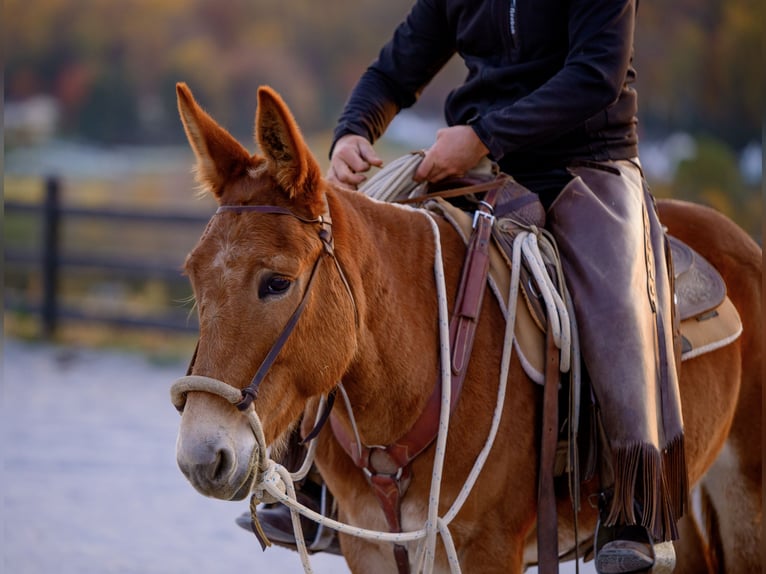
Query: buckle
point(479, 213)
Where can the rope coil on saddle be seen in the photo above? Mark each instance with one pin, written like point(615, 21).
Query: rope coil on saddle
point(274, 483)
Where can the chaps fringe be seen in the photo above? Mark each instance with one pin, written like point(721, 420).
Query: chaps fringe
point(675, 484)
point(650, 488)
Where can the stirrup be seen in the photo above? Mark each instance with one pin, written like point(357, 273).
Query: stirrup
point(325, 536)
point(624, 556)
point(621, 549)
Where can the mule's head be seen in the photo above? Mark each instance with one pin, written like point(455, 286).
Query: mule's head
point(249, 273)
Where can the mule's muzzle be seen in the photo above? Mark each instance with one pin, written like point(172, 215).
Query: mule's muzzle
point(214, 469)
point(220, 458)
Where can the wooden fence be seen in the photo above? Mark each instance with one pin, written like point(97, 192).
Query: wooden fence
point(49, 260)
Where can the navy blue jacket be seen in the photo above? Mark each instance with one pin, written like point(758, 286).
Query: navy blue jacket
point(549, 81)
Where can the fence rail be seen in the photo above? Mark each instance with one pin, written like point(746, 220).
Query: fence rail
point(51, 261)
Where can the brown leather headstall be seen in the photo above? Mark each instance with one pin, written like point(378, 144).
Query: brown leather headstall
point(324, 221)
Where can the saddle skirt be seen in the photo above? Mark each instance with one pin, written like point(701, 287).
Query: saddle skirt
point(709, 319)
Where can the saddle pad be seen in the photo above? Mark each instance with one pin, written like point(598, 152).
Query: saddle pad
point(528, 341)
point(710, 331)
point(701, 334)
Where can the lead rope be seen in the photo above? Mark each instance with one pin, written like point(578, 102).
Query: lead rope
point(275, 484)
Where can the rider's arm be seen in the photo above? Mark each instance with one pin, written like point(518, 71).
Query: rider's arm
point(419, 48)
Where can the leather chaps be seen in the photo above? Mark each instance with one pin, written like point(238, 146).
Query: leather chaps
point(614, 255)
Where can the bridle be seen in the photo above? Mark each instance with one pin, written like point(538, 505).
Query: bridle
point(324, 222)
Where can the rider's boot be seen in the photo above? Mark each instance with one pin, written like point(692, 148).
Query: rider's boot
point(621, 549)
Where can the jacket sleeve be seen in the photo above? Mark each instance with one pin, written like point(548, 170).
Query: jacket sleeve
point(592, 78)
point(421, 45)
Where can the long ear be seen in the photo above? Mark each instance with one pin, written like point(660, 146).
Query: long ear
point(279, 139)
point(219, 155)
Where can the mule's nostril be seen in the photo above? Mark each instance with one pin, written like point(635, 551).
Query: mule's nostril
point(216, 461)
point(206, 464)
point(224, 461)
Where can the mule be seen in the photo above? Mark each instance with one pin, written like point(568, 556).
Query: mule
point(371, 323)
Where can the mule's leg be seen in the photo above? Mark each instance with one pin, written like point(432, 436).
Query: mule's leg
point(365, 557)
point(730, 467)
point(733, 485)
point(493, 553)
point(733, 505)
point(691, 549)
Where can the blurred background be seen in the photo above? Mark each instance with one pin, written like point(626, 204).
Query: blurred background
point(90, 107)
point(101, 207)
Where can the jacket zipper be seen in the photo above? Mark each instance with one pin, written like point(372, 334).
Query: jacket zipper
point(512, 22)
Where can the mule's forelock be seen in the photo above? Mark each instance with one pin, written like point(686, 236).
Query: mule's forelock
point(289, 160)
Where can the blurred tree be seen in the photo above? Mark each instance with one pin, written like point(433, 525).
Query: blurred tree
point(110, 110)
point(700, 68)
point(712, 177)
point(699, 62)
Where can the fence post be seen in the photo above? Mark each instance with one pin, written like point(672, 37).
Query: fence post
point(50, 256)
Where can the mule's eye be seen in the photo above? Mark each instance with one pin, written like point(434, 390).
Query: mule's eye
point(273, 285)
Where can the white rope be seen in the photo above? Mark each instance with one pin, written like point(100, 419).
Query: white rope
point(394, 181)
point(308, 461)
point(542, 281)
point(569, 345)
point(441, 436)
point(557, 313)
point(289, 490)
point(504, 369)
point(352, 418)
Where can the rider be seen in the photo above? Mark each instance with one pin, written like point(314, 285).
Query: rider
point(549, 98)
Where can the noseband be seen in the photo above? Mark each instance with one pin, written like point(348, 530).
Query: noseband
point(324, 222)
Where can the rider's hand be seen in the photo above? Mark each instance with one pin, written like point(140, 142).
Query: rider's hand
point(456, 150)
point(351, 158)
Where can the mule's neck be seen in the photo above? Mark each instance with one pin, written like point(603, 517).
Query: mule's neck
point(388, 252)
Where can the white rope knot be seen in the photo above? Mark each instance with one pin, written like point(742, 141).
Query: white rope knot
point(268, 481)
